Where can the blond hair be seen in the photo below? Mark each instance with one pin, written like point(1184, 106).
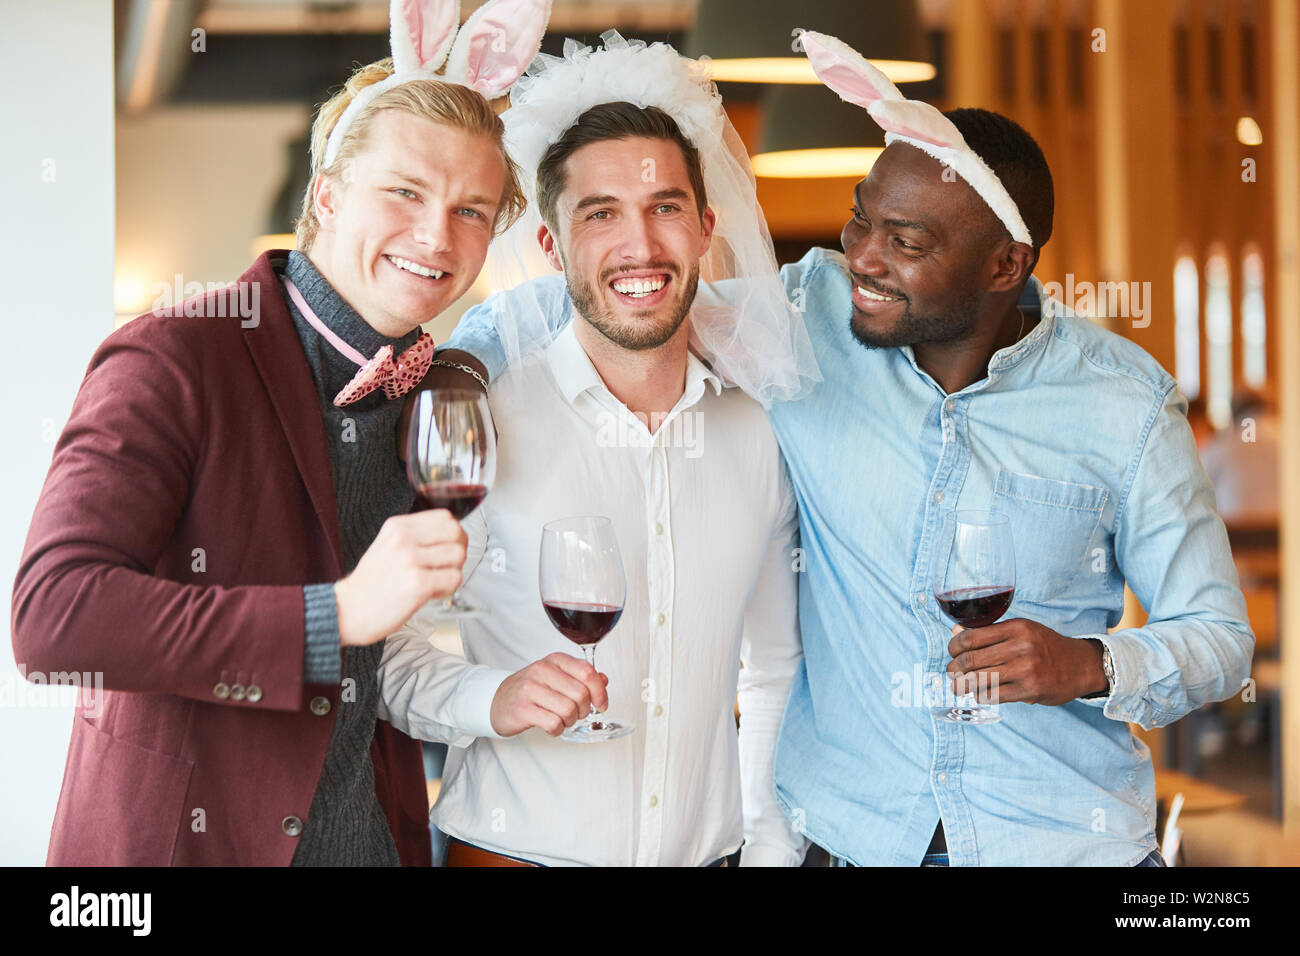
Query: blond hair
point(435, 100)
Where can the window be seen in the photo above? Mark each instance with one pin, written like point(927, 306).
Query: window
point(1187, 326)
point(1218, 340)
point(1254, 359)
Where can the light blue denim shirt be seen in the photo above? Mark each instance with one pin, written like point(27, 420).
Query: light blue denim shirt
point(1082, 440)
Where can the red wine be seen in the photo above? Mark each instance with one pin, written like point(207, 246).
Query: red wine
point(459, 499)
point(583, 623)
point(976, 607)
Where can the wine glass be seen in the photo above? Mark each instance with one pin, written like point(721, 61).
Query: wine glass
point(451, 460)
point(974, 582)
point(583, 590)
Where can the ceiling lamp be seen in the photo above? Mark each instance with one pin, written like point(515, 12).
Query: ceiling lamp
point(810, 133)
point(750, 41)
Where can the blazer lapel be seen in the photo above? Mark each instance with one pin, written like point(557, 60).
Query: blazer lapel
point(277, 353)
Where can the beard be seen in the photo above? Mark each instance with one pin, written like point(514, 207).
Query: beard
point(913, 329)
point(636, 334)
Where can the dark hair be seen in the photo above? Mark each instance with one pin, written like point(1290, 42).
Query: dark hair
point(1016, 159)
point(612, 121)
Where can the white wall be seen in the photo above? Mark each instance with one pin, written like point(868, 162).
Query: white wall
point(56, 269)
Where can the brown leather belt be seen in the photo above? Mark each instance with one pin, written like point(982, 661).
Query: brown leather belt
point(460, 853)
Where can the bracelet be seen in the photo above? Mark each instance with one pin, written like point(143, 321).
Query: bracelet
point(468, 370)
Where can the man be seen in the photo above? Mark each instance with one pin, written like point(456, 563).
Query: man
point(951, 381)
point(215, 535)
point(616, 417)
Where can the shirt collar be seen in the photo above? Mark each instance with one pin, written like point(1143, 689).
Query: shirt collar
point(575, 374)
point(1032, 299)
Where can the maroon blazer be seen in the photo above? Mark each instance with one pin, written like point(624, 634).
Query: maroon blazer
point(188, 501)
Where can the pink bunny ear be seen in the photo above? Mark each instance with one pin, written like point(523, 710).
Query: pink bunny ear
point(846, 71)
point(916, 120)
point(420, 32)
point(497, 43)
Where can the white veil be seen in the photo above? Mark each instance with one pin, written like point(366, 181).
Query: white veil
point(742, 322)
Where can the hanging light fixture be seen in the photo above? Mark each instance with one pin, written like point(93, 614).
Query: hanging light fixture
point(750, 41)
point(810, 133)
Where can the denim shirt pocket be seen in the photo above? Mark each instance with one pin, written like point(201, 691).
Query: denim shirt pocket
point(1053, 524)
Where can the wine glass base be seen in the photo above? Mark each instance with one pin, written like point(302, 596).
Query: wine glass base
point(456, 610)
point(596, 732)
point(967, 715)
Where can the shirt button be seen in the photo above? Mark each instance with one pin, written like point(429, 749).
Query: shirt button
point(947, 406)
point(659, 710)
point(659, 528)
point(654, 801)
point(237, 691)
point(920, 598)
point(938, 496)
point(943, 778)
point(661, 619)
point(221, 691)
point(320, 706)
point(292, 826)
point(254, 694)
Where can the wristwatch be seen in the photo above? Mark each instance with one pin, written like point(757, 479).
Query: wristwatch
point(1108, 667)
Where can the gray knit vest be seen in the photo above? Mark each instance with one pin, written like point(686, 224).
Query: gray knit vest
point(346, 825)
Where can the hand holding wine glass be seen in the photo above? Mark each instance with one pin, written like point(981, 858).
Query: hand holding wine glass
point(583, 590)
point(414, 558)
point(451, 458)
point(974, 583)
point(550, 694)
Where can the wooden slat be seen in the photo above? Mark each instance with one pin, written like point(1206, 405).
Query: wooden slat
point(1283, 145)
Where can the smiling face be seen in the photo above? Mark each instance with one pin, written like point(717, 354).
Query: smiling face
point(919, 248)
point(630, 248)
point(404, 231)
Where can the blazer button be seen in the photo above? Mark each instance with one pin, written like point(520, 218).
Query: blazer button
point(254, 694)
point(221, 691)
point(320, 706)
point(292, 826)
point(237, 692)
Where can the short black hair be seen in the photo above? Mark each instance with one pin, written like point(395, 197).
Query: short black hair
point(1016, 158)
point(612, 121)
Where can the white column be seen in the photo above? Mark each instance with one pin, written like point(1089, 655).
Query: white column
point(56, 269)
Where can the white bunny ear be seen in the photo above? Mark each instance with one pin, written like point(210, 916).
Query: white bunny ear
point(421, 33)
point(497, 43)
point(846, 71)
point(916, 120)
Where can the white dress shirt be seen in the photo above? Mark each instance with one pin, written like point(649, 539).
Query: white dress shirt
point(707, 527)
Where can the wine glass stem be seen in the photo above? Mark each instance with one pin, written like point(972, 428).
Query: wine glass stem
point(453, 602)
point(589, 651)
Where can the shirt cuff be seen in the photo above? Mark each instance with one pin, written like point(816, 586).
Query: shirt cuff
point(768, 854)
point(1126, 660)
point(473, 701)
point(322, 659)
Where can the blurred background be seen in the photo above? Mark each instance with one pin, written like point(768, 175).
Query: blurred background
point(163, 143)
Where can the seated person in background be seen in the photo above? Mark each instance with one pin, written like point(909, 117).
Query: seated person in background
point(606, 420)
point(1241, 461)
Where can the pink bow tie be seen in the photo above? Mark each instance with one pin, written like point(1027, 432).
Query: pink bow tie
point(396, 378)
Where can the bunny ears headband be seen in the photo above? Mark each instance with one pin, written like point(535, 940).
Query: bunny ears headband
point(918, 124)
point(490, 52)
